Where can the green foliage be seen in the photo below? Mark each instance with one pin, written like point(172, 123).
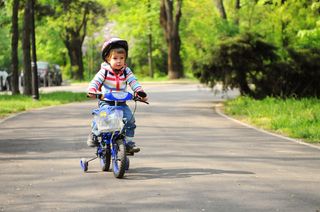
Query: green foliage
point(253, 61)
point(64, 27)
point(303, 27)
point(134, 21)
point(12, 104)
point(283, 24)
point(292, 117)
point(238, 62)
point(5, 38)
point(201, 30)
point(249, 63)
point(297, 76)
point(306, 66)
point(49, 45)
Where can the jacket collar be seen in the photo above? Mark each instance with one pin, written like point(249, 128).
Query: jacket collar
point(119, 72)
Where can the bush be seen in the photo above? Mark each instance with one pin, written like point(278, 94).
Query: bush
point(251, 64)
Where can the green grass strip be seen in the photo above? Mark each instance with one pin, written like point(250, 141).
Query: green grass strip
point(17, 103)
point(296, 118)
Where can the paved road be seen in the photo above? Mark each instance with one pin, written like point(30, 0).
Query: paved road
point(192, 159)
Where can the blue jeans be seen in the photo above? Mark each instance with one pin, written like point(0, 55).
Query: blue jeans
point(130, 125)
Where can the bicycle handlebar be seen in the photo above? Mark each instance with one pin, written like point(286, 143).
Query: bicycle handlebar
point(136, 97)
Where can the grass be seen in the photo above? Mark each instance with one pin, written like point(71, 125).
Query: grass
point(13, 104)
point(292, 117)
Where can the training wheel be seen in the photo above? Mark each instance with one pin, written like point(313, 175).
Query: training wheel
point(84, 164)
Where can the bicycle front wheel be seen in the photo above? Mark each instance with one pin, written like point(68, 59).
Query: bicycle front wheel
point(105, 160)
point(119, 159)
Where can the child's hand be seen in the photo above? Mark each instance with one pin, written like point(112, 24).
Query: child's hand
point(145, 99)
point(142, 95)
point(90, 95)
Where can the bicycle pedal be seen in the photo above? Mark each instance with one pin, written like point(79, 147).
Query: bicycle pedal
point(130, 153)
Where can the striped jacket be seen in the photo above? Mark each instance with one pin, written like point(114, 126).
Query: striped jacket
point(106, 80)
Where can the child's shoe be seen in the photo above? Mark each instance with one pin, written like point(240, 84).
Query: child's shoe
point(132, 148)
point(92, 140)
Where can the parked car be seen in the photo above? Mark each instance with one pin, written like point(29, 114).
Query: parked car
point(45, 73)
point(57, 76)
point(5, 81)
point(48, 75)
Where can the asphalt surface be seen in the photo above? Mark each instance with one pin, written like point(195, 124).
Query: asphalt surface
point(192, 159)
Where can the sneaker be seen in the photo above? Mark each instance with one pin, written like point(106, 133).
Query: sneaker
point(92, 140)
point(132, 148)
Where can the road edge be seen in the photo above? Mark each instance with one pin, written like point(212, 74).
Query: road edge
point(218, 111)
point(35, 109)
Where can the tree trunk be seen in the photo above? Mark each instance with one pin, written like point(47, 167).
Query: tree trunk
point(237, 8)
point(27, 89)
point(14, 48)
point(150, 61)
point(170, 23)
point(174, 60)
point(74, 38)
point(283, 27)
point(243, 83)
point(222, 11)
point(75, 54)
point(35, 85)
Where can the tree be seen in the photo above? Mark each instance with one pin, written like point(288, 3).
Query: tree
point(220, 7)
point(5, 38)
point(35, 86)
point(134, 21)
point(74, 18)
point(49, 43)
point(170, 23)
point(150, 60)
point(27, 88)
point(236, 9)
point(14, 48)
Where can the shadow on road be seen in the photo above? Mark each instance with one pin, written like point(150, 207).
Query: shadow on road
point(147, 173)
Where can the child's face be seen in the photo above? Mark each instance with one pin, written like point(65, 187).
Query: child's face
point(117, 60)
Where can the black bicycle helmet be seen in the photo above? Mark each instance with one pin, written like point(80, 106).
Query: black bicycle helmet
point(113, 43)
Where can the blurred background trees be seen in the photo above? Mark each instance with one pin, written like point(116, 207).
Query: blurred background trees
point(262, 47)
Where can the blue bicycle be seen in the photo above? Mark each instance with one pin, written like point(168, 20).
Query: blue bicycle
point(111, 130)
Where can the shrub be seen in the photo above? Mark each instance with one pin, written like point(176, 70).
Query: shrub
point(251, 64)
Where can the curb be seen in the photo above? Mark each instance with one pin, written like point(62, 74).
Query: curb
point(11, 116)
point(218, 111)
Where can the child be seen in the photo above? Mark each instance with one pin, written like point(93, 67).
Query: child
point(114, 75)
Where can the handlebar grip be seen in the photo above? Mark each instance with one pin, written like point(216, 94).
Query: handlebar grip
point(97, 95)
point(137, 98)
point(141, 94)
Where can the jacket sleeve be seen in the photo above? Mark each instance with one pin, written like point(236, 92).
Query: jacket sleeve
point(132, 80)
point(97, 81)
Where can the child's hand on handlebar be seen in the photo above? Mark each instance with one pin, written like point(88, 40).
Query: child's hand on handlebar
point(94, 95)
point(144, 99)
point(91, 95)
point(142, 96)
